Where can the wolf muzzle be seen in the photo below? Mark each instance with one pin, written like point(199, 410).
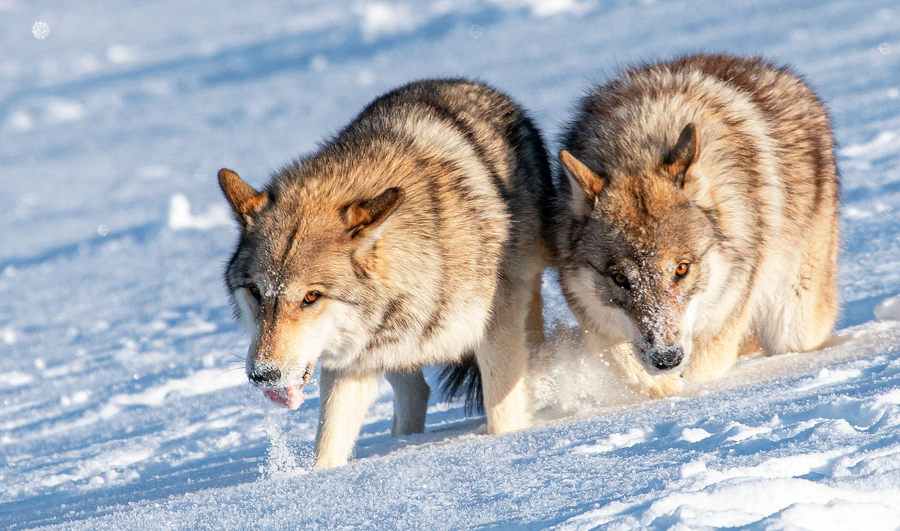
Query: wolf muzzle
point(667, 357)
point(264, 376)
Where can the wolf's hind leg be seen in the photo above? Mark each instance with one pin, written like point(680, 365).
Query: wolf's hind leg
point(344, 401)
point(411, 394)
point(809, 309)
point(534, 323)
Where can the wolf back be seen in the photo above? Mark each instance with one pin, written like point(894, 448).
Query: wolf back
point(412, 237)
point(698, 217)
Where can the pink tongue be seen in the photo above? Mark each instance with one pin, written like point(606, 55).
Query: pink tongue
point(290, 397)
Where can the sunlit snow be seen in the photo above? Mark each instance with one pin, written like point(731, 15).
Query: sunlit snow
point(123, 399)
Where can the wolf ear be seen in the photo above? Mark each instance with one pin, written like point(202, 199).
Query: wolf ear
point(589, 182)
point(580, 178)
point(363, 216)
point(679, 160)
point(245, 201)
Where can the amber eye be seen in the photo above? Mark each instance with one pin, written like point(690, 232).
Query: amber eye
point(682, 270)
point(620, 279)
point(310, 298)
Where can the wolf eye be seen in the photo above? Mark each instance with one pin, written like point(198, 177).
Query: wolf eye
point(620, 280)
point(254, 292)
point(682, 270)
point(310, 298)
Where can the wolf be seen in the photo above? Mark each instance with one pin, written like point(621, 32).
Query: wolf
point(415, 236)
point(697, 218)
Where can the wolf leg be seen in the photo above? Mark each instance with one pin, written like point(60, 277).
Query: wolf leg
point(503, 361)
point(713, 358)
point(411, 394)
point(811, 319)
point(809, 306)
point(534, 324)
point(631, 372)
point(343, 402)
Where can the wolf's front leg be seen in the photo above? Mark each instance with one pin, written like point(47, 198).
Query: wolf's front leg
point(411, 394)
point(631, 371)
point(503, 361)
point(713, 358)
point(343, 402)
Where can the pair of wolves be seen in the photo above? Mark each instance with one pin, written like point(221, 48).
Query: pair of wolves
point(694, 217)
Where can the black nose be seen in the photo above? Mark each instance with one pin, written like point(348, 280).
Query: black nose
point(264, 375)
point(667, 357)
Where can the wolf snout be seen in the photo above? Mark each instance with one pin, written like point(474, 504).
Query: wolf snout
point(667, 357)
point(264, 376)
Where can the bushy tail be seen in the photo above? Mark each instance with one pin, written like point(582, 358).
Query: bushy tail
point(463, 380)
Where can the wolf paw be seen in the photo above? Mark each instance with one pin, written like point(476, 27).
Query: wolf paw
point(663, 386)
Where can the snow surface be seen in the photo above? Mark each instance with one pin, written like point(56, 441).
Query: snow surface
point(124, 404)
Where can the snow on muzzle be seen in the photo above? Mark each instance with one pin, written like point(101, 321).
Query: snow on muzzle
point(666, 358)
point(660, 348)
point(659, 317)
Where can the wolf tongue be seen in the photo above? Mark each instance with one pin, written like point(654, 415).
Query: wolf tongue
point(290, 397)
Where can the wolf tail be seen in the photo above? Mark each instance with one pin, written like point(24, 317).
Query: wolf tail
point(463, 380)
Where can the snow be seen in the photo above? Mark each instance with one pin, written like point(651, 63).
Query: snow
point(888, 309)
point(123, 401)
point(180, 216)
point(40, 30)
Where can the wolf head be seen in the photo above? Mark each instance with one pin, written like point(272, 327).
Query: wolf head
point(638, 250)
point(295, 276)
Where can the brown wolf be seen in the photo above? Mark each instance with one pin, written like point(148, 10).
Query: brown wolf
point(698, 217)
point(413, 237)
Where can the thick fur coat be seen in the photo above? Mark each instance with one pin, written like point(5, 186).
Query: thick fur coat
point(698, 217)
point(413, 237)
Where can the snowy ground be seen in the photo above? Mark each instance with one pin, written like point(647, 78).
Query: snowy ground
point(124, 404)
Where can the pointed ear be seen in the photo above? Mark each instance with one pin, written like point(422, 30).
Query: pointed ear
point(589, 182)
point(245, 201)
point(580, 178)
point(686, 151)
point(363, 216)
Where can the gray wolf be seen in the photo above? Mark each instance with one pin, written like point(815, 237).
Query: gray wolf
point(698, 218)
point(412, 237)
